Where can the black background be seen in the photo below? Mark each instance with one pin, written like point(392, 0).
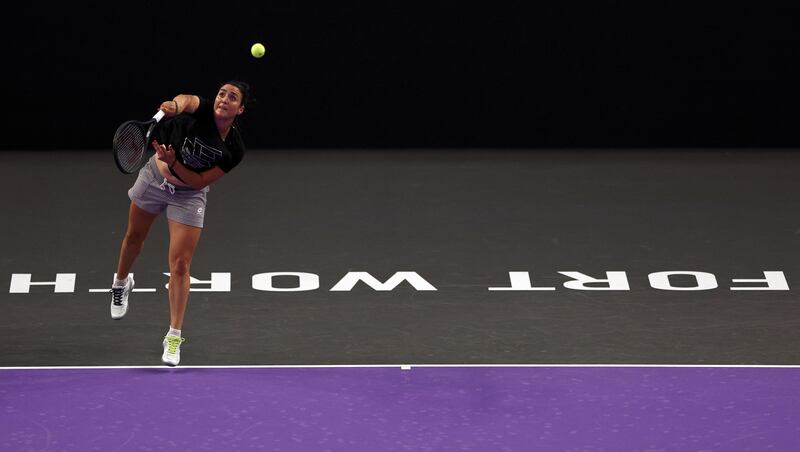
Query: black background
point(586, 74)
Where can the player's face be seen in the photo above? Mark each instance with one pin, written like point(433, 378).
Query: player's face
point(228, 102)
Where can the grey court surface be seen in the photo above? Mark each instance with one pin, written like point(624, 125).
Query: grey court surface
point(438, 257)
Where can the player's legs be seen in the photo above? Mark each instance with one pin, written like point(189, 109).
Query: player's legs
point(139, 222)
point(182, 243)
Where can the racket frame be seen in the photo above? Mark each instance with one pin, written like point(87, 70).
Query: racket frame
point(147, 127)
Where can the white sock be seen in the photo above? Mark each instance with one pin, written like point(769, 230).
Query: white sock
point(120, 282)
point(174, 332)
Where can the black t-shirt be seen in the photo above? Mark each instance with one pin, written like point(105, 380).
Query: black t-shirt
point(199, 145)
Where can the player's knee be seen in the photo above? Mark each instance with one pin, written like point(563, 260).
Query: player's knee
point(134, 238)
point(179, 266)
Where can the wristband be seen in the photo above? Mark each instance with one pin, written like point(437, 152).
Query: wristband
point(177, 110)
point(172, 171)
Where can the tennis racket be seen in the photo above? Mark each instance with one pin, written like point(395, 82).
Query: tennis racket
point(131, 141)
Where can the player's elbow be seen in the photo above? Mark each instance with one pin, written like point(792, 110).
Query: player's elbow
point(199, 185)
point(202, 182)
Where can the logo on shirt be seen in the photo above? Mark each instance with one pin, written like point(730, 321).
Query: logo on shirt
point(197, 154)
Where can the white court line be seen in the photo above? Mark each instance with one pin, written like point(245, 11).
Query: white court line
point(421, 366)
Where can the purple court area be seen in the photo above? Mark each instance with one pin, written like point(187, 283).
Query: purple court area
point(386, 408)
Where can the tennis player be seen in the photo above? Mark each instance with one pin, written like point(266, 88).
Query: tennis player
point(197, 143)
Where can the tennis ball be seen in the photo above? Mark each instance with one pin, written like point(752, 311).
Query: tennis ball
point(258, 50)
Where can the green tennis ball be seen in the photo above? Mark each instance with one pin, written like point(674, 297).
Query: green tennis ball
point(258, 50)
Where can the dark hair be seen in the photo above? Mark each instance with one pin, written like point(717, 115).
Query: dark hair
point(244, 88)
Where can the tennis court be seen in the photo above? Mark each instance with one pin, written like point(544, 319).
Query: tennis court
point(429, 300)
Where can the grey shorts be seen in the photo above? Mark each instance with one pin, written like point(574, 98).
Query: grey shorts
point(152, 193)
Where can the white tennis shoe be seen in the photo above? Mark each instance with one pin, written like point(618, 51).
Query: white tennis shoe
point(172, 350)
point(119, 298)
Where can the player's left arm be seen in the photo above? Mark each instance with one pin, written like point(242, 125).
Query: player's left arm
point(192, 178)
point(197, 180)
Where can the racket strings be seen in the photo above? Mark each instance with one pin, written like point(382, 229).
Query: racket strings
point(130, 145)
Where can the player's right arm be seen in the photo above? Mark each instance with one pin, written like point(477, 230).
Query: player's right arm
point(181, 103)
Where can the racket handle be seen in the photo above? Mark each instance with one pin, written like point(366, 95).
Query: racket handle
point(158, 115)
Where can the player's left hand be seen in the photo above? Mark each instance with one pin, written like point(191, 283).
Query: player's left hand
point(164, 153)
